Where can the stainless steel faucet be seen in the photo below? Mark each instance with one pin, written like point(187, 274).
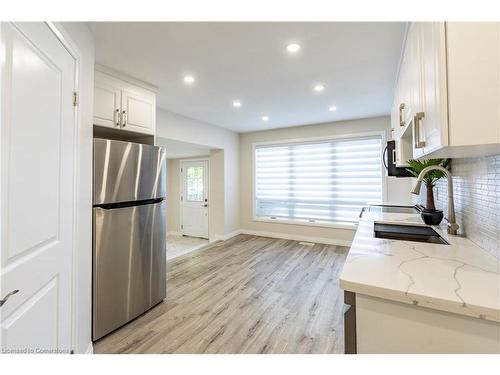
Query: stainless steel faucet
point(452, 224)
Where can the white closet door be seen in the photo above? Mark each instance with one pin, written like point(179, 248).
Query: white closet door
point(37, 188)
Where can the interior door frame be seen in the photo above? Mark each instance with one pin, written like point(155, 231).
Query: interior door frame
point(181, 190)
point(69, 44)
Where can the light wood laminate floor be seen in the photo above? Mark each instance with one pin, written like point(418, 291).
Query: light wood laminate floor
point(246, 295)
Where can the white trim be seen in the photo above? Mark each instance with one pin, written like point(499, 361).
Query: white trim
point(174, 233)
point(293, 237)
point(381, 133)
point(322, 138)
point(126, 78)
point(322, 224)
point(181, 189)
point(90, 349)
point(203, 246)
point(284, 236)
point(225, 237)
point(68, 43)
point(198, 158)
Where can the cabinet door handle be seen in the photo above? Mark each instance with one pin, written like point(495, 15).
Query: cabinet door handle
point(124, 118)
point(401, 114)
point(116, 117)
point(416, 130)
point(2, 301)
point(362, 211)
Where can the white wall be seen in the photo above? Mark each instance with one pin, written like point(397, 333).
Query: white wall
point(398, 190)
point(217, 204)
point(173, 126)
point(173, 193)
point(381, 124)
point(79, 34)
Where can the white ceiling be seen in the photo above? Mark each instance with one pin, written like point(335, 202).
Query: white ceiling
point(357, 62)
point(178, 149)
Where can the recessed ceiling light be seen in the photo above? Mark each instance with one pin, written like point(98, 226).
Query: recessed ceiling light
point(319, 87)
point(265, 118)
point(293, 48)
point(189, 79)
point(332, 108)
point(236, 104)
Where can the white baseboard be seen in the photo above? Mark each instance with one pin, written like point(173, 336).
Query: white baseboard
point(225, 237)
point(295, 237)
point(284, 236)
point(90, 349)
point(173, 233)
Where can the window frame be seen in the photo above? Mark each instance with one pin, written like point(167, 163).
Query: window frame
point(343, 137)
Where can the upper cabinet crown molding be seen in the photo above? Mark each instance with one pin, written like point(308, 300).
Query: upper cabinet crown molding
point(126, 78)
point(447, 98)
point(122, 105)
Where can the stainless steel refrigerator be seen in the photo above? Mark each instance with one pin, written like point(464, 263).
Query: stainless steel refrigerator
point(129, 232)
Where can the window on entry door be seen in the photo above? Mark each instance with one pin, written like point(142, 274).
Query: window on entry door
point(317, 182)
point(194, 184)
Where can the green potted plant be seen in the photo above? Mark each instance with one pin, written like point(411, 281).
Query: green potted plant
point(430, 215)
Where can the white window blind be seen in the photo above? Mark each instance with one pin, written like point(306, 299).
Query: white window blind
point(318, 182)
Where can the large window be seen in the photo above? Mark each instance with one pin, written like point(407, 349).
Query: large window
point(317, 182)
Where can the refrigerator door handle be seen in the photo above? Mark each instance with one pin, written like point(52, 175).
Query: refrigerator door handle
point(384, 157)
point(111, 206)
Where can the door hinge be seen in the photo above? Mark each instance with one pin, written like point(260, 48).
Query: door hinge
point(182, 198)
point(75, 99)
point(181, 170)
point(182, 226)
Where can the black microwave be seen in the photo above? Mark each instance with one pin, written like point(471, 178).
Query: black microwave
point(389, 160)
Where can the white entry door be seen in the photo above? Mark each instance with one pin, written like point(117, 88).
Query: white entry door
point(194, 198)
point(37, 189)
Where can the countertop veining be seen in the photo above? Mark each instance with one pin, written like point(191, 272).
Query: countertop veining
point(460, 278)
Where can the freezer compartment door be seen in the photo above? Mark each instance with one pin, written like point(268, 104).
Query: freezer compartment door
point(126, 171)
point(129, 264)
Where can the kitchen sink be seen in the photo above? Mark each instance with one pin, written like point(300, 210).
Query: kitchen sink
point(417, 233)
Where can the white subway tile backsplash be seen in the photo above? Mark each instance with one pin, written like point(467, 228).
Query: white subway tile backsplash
point(476, 183)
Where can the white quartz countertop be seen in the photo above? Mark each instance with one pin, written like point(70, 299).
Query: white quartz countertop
point(460, 278)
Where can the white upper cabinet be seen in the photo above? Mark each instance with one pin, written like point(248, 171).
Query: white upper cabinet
point(138, 112)
point(448, 92)
point(122, 105)
point(107, 105)
point(431, 121)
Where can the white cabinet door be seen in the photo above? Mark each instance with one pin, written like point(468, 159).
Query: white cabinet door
point(414, 74)
point(414, 84)
point(396, 114)
point(138, 112)
point(403, 107)
point(107, 104)
point(122, 105)
point(394, 118)
point(37, 188)
point(409, 79)
point(433, 126)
